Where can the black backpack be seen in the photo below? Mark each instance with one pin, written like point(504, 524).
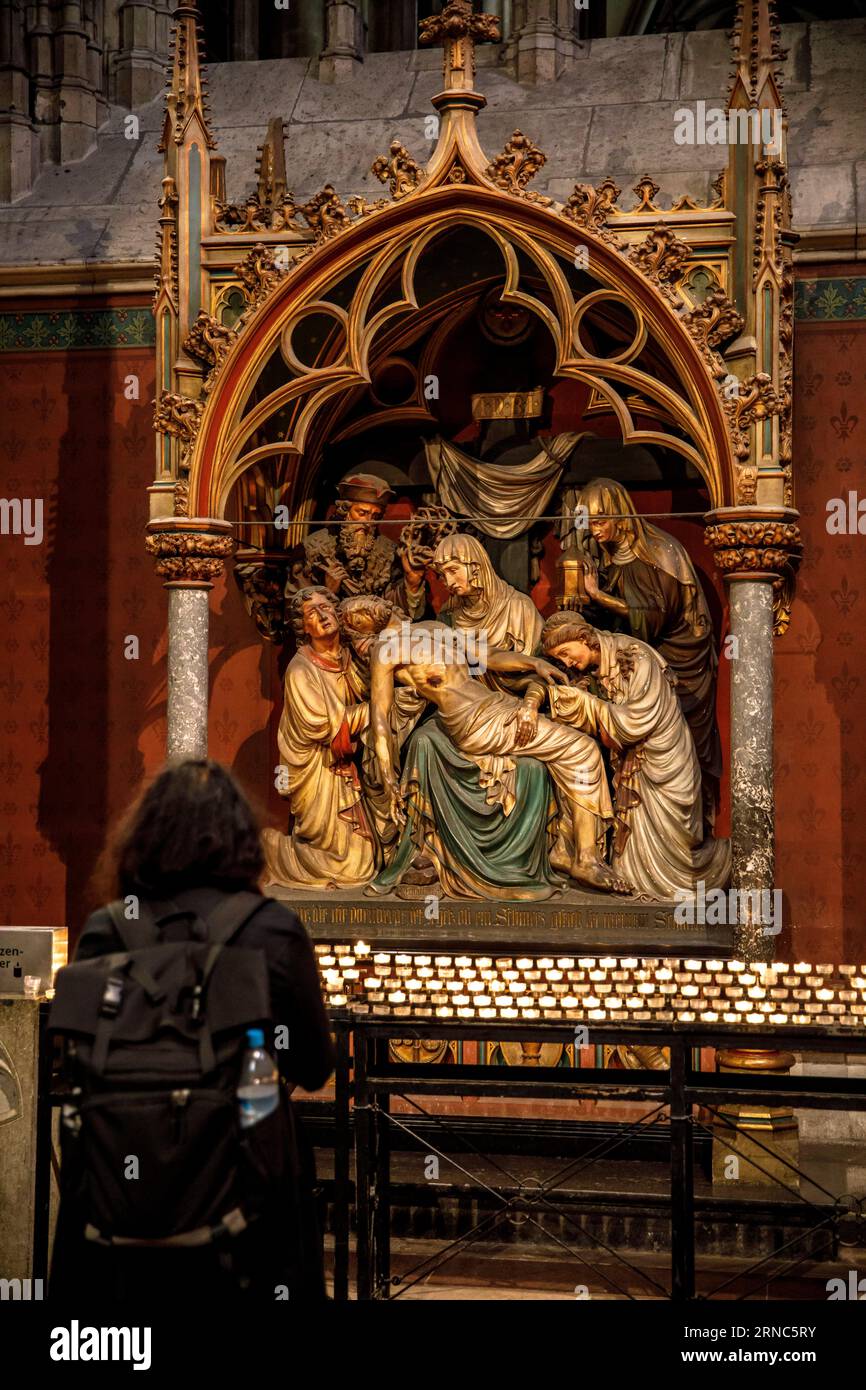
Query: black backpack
point(154, 1041)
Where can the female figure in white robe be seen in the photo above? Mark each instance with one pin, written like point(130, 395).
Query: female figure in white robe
point(659, 843)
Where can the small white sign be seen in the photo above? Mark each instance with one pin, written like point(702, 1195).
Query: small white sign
point(25, 954)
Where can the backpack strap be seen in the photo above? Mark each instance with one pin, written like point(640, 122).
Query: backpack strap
point(224, 923)
point(142, 930)
point(227, 918)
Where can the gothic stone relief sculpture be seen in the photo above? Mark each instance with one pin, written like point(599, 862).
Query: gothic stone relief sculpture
point(417, 758)
point(332, 840)
point(659, 843)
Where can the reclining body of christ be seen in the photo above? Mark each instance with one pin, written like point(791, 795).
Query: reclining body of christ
point(486, 726)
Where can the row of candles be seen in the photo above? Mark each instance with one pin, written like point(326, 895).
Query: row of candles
point(606, 988)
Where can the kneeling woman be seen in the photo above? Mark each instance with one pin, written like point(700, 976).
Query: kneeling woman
point(659, 843)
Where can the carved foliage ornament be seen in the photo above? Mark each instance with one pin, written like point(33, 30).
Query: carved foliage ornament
point(714, 321)
point(325, 213)
point(255, 216)
point(592, 207)
point(263, 590)
point(189, 557)
point(755, 547)
point(259, 272)
point(398, 169)
point(661, 256)
point(181, 498)
point(208, 340)
point(519, 162)
point(755, 400)
point(645, 191)
point(179, 416)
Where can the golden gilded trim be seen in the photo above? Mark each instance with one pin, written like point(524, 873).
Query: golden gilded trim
point(508, 405)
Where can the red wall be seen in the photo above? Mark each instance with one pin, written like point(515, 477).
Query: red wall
point(821, 661)
point(80, 725)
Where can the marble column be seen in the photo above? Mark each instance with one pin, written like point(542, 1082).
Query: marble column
point(187, 704)
point(753, 837)
point(757, 550)
point(189, 556)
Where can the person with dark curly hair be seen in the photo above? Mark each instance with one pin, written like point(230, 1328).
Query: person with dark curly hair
point(189, 842)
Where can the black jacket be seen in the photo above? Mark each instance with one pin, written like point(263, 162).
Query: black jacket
point(296, 994)
point(282, 1251)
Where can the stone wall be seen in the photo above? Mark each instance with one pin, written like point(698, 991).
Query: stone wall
point(612, 111)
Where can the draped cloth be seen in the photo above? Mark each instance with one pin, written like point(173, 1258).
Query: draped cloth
point(331, 839)
point(659, 845)
point(460, 815)
point(503, 500)
point(495, 612)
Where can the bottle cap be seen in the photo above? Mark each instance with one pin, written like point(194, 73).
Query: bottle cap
point(255, 1037)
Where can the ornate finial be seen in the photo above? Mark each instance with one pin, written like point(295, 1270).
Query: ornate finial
point(271, 205)
point(645, 190)
point(271, 164)
point(187, 94)
point(459, 29)
point(756, 52)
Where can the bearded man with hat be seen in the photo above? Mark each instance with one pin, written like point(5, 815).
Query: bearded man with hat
point(354, 558)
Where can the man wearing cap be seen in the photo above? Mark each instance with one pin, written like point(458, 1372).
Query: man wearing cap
point(354, 558)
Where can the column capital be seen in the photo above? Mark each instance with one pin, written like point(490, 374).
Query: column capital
point(758, 543)
point(189, 551)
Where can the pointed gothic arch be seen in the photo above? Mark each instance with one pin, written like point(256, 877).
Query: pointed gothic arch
point(397, 236)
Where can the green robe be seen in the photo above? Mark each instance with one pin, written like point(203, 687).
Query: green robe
point(479, 850)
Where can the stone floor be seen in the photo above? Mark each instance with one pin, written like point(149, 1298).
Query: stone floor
point(490, 1273)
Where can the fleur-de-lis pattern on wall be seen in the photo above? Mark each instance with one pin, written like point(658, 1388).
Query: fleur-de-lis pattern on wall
point(821, 828)
point(80, 725)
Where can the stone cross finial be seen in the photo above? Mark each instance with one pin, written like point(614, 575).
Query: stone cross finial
point(458, 28)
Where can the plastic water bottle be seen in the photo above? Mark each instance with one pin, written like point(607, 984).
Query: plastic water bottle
point(258, 1090)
